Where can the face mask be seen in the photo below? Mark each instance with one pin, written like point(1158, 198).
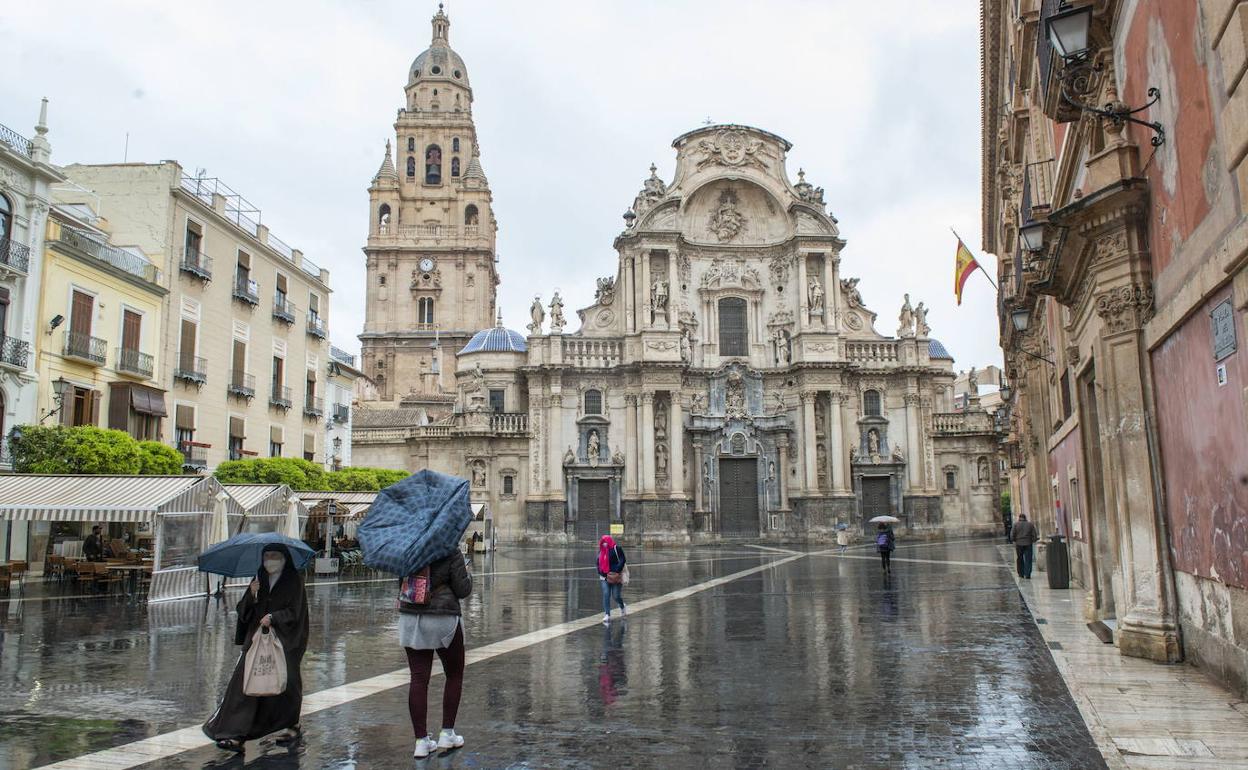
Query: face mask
point(273, 565)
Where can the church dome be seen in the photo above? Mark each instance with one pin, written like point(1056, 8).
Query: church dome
point(936, 350)
point(439, 62)
point(496, 340)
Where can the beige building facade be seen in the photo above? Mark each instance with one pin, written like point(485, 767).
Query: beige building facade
point(727, 382)
point(243, 351)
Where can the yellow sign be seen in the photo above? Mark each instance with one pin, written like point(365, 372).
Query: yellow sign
point(617, 529)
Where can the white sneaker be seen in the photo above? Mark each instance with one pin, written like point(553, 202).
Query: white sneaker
point(448, 739)
point(623, 612)
point(425, 747)
point(606, 618)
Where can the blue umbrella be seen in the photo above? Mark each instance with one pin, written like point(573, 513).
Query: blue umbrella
point(415, 522)
point(240, 555)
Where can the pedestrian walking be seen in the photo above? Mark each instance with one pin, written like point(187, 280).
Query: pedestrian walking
point(611, 566)
point(842, 540)
point(274, 603)
point(885, 541)
point(430, 620)
point(1025, 537)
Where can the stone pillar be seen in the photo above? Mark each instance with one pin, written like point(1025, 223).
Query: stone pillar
point(783, 452)
point(803, 295)
point(673, 293)
point(558, 442)
point(676, 440)
point(630, 441)
point(830, 290)
point(836, 440)
point(646, 444)
point(1147, 612)
point(914, 453)
point(811, 473)
point(629, 292)
point(699, 503)
point(644, 291)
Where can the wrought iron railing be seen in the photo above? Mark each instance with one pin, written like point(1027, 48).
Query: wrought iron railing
point(135, 362)
point(16, 141)
point(119, 258)
point(191, 368)
point(316, 325)
point(241, 384)
point(280, 396)
point(14, 254)
point(283, 309)
point(313, 406)
point(342, 413)
point(14, 352)
point(197, 263)
point(247, 290)
point(341, 356)
point(84, 347)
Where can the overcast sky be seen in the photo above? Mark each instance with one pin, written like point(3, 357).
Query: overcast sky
point(290, 102)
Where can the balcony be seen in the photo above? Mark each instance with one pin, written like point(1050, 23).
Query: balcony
point(242, 385)
point(14, 255)
point(247, 290)
point(14, 352)
point(197, 264)
point(509, 422)
point(316, 326)
point(80, 243)
point(136, 362)
point(194, 456)
point(280, 397)
point(192, 369)
point(85, 348)
point(15, 140)
point(284, 310)
point(313, 407)
point(342, 413)
point(341, 356)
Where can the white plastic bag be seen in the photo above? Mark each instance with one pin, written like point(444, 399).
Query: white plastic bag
point(624, 576)
point(265, 672)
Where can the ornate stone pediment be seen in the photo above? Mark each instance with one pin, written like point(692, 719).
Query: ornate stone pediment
point(731, 273)
point(431, 281)
point(734, 148)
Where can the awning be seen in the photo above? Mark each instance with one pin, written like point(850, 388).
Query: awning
point(150, 401)
point(92, 498)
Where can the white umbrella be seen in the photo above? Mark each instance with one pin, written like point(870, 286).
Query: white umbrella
point(292, 528)
point(219, 531)
point(884, 520)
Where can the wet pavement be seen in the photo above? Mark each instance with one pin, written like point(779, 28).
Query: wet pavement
point(791, 660)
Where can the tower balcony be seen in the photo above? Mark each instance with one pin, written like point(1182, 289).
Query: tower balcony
point(433, 235)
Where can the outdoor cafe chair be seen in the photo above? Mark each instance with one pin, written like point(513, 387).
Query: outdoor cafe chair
point(105, 577)
point(55, 567)
point(17, 570)
point(5, 579)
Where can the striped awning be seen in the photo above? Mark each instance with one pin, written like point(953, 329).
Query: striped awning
point(28, 497)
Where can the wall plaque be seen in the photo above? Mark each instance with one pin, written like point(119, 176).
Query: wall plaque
point(1222, 321)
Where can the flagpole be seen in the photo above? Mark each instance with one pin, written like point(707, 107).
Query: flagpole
point(977, 264)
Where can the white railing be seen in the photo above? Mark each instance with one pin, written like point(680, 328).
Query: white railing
point(962, 422)
point(591, 353)
point(509, 422)
point(882, 352)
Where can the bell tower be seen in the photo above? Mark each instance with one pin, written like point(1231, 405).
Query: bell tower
point(432, 272)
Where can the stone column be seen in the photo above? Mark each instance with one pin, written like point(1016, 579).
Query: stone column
point(699, 504)
point(558, 442)
point(673, 293)
point(644, 290)
point(914, 454)
point(783, 452)
point(831, 290)
point(808, 441)
point(629, 292)
point(630, 441)
point(676, 440)
point(646, 444)
point(836, 439)
point(803, 295)
point(1147, 621)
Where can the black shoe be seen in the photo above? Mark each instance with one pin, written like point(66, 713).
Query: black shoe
point(287, 737)
point(229, 744)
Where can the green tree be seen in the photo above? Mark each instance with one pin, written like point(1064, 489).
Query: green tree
point(1005, 503)
point(156, 459)
point(352, 480)
point(294, 472)
point(388, 476)
point(39, 449)
point(101, 451)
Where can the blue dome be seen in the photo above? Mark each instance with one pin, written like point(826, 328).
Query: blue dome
point(496, 340)
point(937, 350)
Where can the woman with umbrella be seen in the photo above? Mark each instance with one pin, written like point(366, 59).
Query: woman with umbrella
point(275, 603)
point(885, 540)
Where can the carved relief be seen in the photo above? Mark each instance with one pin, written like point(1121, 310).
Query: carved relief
point(726, 223)
point(1125, 308)
point(780, 266)
point(853, 297)
point(605, 293)
point(732, 147)
point(731, 273)
point(734, 402)
point(684, 267)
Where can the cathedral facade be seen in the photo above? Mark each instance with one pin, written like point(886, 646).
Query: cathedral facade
point(727, 382)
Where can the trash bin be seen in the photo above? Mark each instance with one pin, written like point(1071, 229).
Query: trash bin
point(1058, 562)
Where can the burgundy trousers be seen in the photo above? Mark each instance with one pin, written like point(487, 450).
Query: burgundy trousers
point(420, 663)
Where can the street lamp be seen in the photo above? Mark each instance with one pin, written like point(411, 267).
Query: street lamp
point(1032, 236)
point(1006, 391)
point(1021, 318)
point(1067, 32)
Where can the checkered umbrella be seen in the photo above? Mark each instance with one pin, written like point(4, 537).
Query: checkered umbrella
point(415, 522)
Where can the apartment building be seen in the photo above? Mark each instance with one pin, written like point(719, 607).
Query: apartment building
point(342, 374)
point(245, 349)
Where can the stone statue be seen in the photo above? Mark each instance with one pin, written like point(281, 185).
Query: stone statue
point(658, 296)
point(569, 457)
point(898, 457)
point(906, 319)
point(852, 296)
point(815, 294)
point(972, 382)
point(778, 397)
point(921, 329)
point(771, 470)
point(385, 223)
point(706, 483)
point(873, 442)
point(984, 475)
point(660, 459)
point(556, 314)
point(538, 314)
point(478, 378)
point(660, 421)
point(617, 457)
point(478, 473)
point(592, 447)
point(853, 453)
point(726, 222)
point(696, 402)
point(735, 398)
point(686, 347)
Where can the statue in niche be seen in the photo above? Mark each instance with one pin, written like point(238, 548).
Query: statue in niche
point(735, 397)
point(821, 462)
point(784, 349)
point(592, 447)
point(686, 347)
point(385, 222)
point(815, 295)
point(538, 314)
point(726, 223)
point(478, 473)
point(873, 443)
point(905, 318)
point(696, 403)
point(660, 459)
point(658, 297)
point(660, 421)
point(921, 329)
point(898, 457)
point(771, 470)
point(852, 296)
point(984, 475)
point(706, 482)
point(556, 313)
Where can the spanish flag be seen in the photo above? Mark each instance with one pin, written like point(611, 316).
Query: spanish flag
point(964, 264)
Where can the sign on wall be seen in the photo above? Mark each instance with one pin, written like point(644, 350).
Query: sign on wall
point(1222, 321)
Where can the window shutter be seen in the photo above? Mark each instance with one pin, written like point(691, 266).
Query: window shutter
point(96, 398)
point(69, 398)
point(184, 417)
point(309, 443)
point(275, 434)
point(131, 326)
point(236, 428)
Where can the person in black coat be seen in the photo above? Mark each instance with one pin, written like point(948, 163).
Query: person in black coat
point(275, 600)
point(885, 542)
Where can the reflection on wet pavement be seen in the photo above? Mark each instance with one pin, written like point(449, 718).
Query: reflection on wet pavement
point(818, 662)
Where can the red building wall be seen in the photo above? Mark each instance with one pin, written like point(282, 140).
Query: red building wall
point(1065, 454)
